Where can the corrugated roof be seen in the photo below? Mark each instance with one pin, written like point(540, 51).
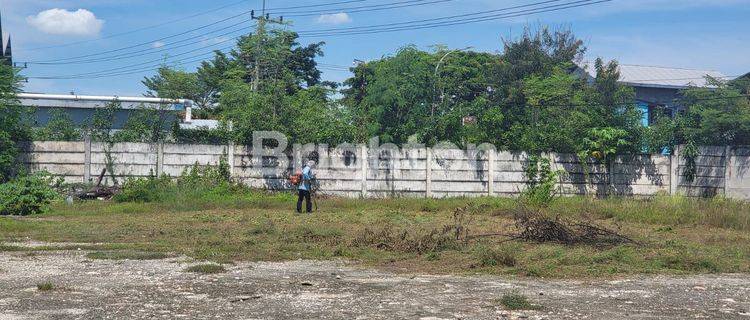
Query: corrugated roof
point(661, 77)
point(200, 124)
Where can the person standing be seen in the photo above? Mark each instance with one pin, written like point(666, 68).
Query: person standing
point(305, 187)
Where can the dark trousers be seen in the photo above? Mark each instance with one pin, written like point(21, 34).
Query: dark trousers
point(304, 194)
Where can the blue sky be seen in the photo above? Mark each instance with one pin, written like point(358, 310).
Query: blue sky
point(699, 34)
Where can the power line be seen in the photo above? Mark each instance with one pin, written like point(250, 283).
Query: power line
point(451, 21)
point(150, 42)
point(149, 51)
point(435, 19)
point(379, 28)
point(370, 8)
point(143, 28)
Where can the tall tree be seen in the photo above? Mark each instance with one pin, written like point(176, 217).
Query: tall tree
point(290, 97)
point(14, 123)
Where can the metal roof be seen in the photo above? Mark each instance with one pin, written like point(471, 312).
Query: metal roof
point(200, 124)
point(659, 77)
point(93, 102)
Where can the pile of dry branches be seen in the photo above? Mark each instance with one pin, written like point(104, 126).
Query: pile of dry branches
point(536, 226)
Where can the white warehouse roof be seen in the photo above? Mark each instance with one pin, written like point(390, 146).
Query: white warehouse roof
point(659, 77)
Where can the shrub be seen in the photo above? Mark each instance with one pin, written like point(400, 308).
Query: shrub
point(541, 182)
point(502, 256)
point(208, 268)
point(46, 286)
point(516, 301)
point(127, 255)
point(26, 195)
point(150, 189)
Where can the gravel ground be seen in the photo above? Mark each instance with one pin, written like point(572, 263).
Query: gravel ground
point(129, 289)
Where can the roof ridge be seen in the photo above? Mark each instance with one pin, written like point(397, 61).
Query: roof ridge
point(662, 67)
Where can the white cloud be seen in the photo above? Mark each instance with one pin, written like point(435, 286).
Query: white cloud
point(63, 22)
point(335, 18)
point(157, 44)
point(215, 40)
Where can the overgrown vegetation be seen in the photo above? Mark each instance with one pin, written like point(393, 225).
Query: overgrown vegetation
point(45, 286)
point(15, 126)
point(127, 255)
point(541, 181)
point(208, 268)
point(528, 97)
point(26, 195)
point(197, 182)
point(673, 235)
point(517, 301)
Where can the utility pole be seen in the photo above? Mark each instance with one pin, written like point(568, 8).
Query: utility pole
point(260, 33)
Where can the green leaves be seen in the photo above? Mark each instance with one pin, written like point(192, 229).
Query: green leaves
point(14, 123)
point(26, 195)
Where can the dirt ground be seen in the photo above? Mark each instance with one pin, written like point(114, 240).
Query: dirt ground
point(130, 289)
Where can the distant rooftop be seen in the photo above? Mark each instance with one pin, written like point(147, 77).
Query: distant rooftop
point(659, 77)
point(93, 102)
point(195, 124)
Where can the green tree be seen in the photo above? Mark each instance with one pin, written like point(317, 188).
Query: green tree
point(146, 124)
point(14, 123)
point(718, 115)
point(525, 98)
point(101, 129)
point(60, 127)
point(290, 98)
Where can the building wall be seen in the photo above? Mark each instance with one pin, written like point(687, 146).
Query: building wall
point(82, 112)
point(420, 172)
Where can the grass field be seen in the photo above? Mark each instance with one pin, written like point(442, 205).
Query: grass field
point(674, 235)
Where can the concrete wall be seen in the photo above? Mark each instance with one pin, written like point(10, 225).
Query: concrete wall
point(413, 172)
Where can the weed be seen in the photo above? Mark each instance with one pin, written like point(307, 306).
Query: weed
point(706, 235)
point(45, 286)
point(517, 301)
point(127, 255)
point(208, 268)
point(317, 233)
point(430, 206)
point(432, 256)
point(504, 255)
point(265, 226)
point(412, 240)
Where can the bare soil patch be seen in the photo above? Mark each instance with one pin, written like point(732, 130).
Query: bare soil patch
point(147, 289)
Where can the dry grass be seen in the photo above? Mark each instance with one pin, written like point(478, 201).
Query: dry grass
point(675, 235)
point(208, 268)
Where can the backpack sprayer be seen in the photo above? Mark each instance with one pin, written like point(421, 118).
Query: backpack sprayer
point(298, 178)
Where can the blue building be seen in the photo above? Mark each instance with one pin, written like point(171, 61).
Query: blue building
point(657, 89)
point(81, 108)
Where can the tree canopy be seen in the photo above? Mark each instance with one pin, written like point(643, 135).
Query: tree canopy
point(14, 123)
point(528, 96)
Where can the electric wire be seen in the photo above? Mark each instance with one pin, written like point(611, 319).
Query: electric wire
point(524, 12)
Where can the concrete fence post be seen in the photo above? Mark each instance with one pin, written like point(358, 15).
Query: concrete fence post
point(491, 172)
point(428, 173)
point(674, 170)
point(363, 156)
point(87, 158)
point(556, 167)
point(727, 168)
point(159, 158)
point(230, 158)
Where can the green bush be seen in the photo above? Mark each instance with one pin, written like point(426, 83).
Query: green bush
point(26, 195)
point(504, 256)
point(541, 183)
point(150, 189)
point(197, 182)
